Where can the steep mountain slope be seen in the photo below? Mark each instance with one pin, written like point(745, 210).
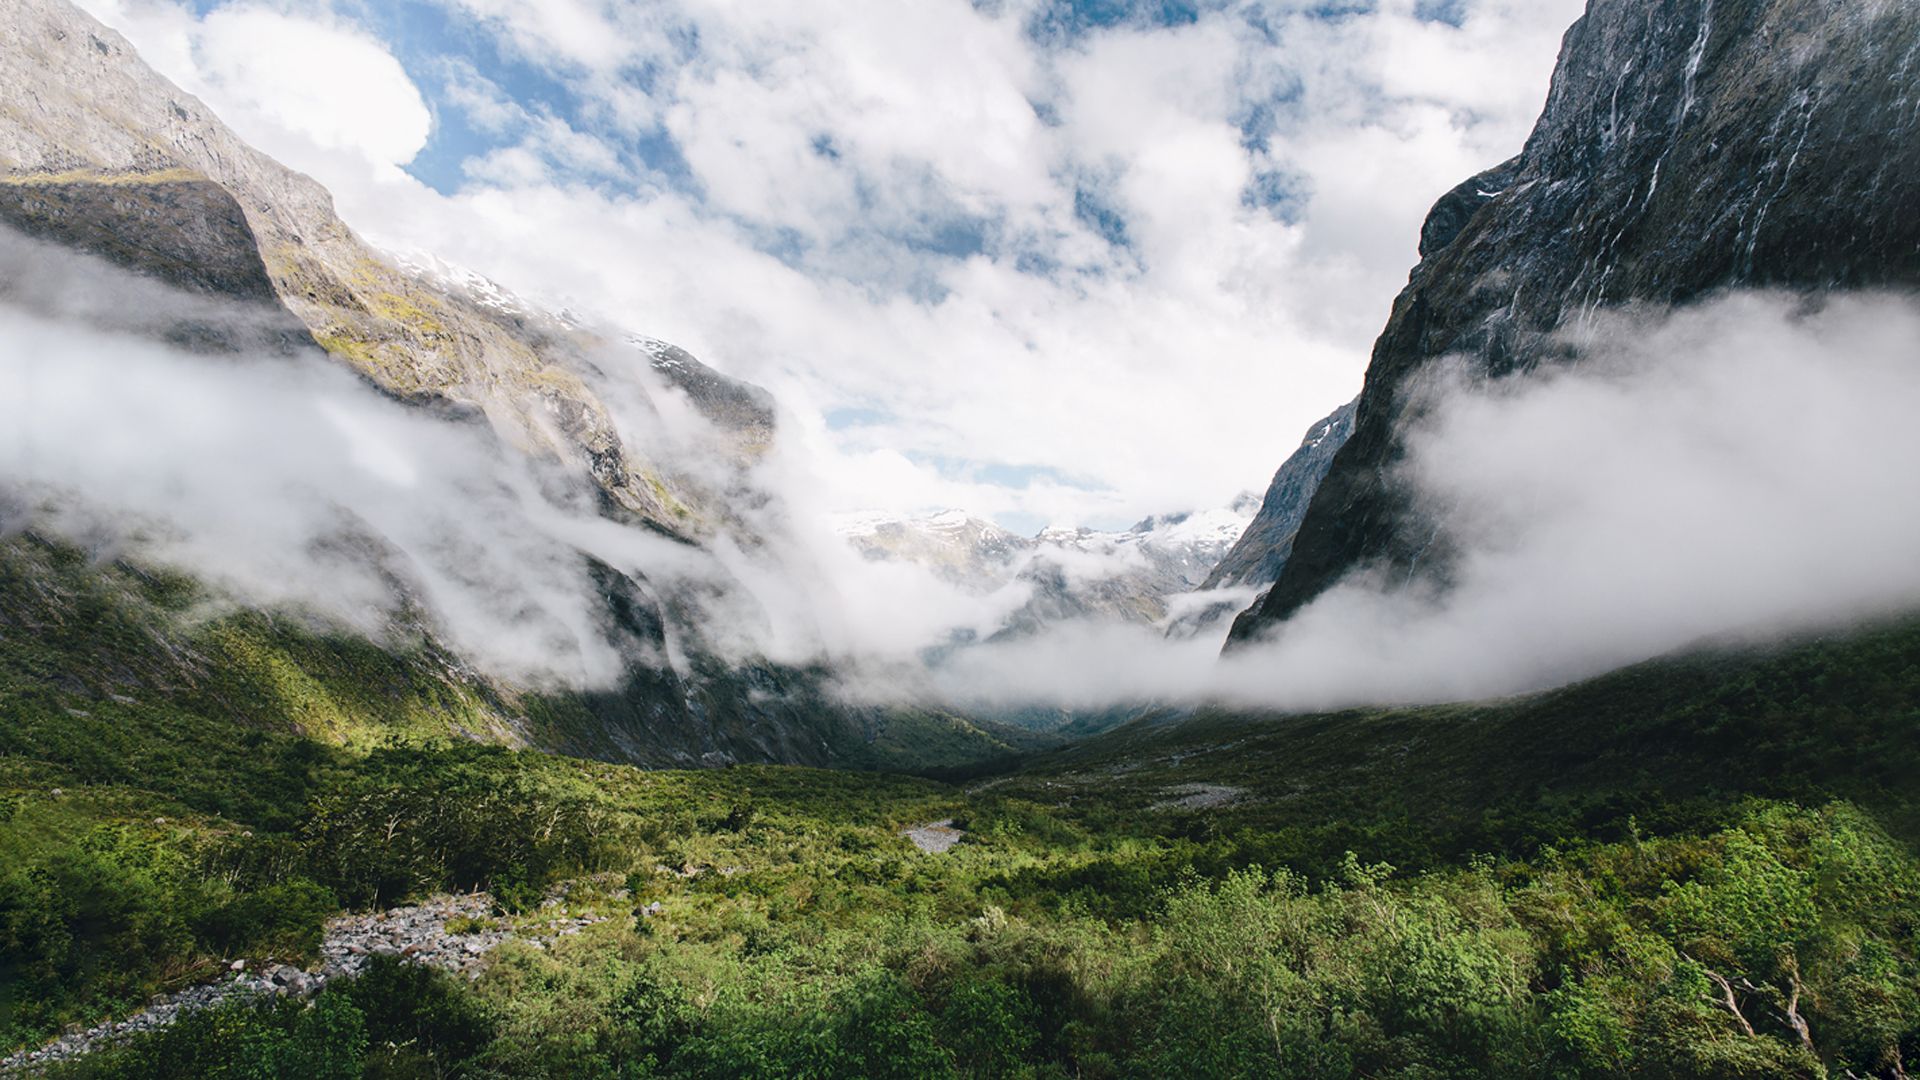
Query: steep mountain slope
point(126, 207)
point(1256, 558)
point(1687, 146)
point(101, 153)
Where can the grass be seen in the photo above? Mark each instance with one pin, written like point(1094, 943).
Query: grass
point(1549, 885)
point(1808, 719)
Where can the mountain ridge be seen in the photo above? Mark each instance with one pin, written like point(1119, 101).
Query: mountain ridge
point(1130, 576)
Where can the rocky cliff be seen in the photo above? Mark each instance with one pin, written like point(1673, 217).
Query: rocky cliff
point(1687, 146)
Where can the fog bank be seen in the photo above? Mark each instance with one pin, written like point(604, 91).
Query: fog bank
point(1746, 467)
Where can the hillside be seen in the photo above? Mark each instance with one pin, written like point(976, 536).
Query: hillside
point(1837, 715)
point(1109, 910)
point(126, 673)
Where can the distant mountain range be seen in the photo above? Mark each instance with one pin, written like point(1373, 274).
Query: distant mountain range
point(1141, 575)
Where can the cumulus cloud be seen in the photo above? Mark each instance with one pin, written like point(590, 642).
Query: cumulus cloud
point(908, 213)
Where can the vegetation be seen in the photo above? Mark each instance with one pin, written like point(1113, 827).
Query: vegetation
point(1703, 867)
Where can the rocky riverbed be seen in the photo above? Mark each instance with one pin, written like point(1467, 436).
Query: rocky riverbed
point(934, 837)
point(454, 933)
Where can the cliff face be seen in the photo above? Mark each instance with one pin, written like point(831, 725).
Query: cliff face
point(1687, 146)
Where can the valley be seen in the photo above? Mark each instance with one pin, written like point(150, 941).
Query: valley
point(401, 676)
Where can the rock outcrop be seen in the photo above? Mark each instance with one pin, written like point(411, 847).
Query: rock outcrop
point(1687, 147)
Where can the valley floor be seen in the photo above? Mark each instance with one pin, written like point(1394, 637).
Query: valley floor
point(1700, 867)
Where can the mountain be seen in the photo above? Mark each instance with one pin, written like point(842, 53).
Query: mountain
point(132, 209)
point(1059, 575)
point(243, 838)
point(1260, 553)
point(975, 555)
point(103, 154)
point(1686, 147)
point(1256, 558)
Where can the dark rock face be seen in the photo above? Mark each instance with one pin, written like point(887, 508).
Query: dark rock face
point(196, 279)
point(731, 405)
point(1687, 146)
point(188, 232)
point(1261, 552)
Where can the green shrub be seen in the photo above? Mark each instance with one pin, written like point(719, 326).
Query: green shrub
point(271, 1038)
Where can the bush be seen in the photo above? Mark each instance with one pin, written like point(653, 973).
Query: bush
point(282, 921)
point(418, 1019)
point(324, 1040)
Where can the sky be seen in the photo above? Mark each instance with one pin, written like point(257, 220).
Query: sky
point(1048, 261)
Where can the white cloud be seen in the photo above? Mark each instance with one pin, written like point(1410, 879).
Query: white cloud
point(571, 32)
point(486, 105)
point(313, 77)
point(1734, 468)
point(1175, 374)
point(285, 480)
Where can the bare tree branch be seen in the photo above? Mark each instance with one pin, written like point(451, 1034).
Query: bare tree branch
point(1727, 1000)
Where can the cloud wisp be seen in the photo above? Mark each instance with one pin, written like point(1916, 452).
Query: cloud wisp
point(283, 480)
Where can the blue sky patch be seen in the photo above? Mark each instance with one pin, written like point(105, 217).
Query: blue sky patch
point(1063, 21)
point(1281, 194)
point(1093, 210)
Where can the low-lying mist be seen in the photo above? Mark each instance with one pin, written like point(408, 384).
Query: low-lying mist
point(1742, 468)
point(1745, 466)
point(285, 481)
point(282, 480)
